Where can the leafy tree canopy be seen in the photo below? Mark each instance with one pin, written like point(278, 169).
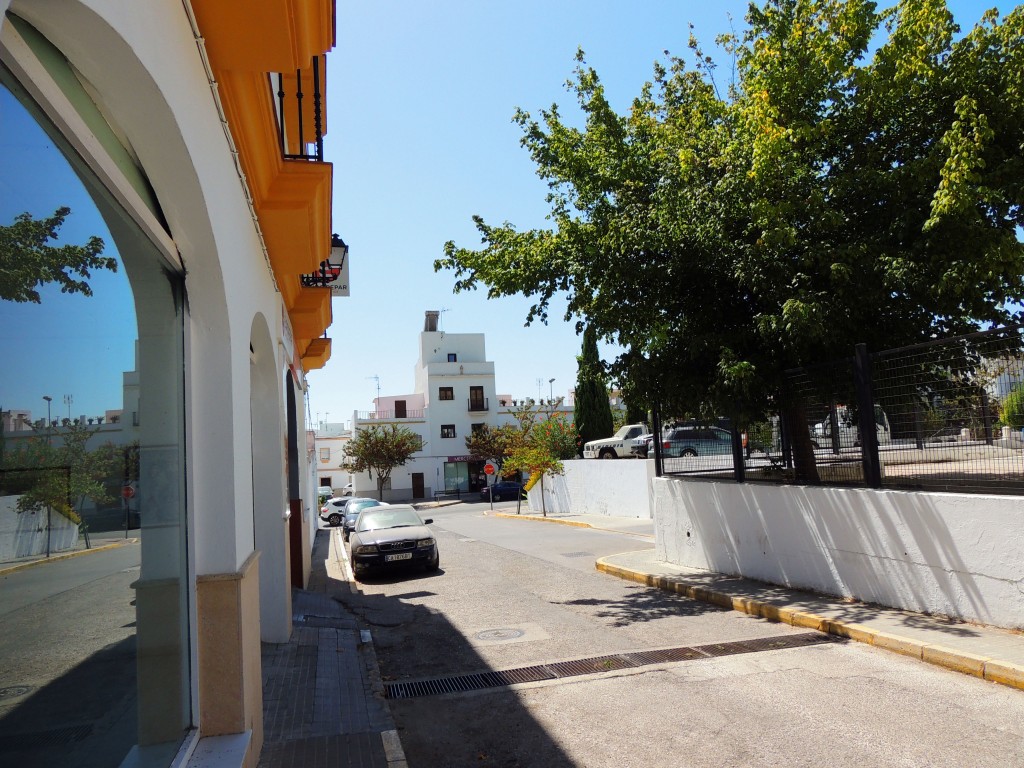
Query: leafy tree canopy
point(26, 261)
point(826, 196)
point(378, 449)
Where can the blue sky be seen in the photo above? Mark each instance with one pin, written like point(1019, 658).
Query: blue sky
point(420, 105)
point(421, 97)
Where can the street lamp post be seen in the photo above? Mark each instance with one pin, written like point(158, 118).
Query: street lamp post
point(48, 400)
point(551, 389)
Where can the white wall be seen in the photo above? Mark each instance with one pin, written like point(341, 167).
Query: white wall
point(953, 554)
point(24, 535)
point(620, 488)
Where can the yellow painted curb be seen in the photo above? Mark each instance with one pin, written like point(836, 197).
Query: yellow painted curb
point(958, 661)
point(1004, 673)
point(64, 556)
point(541, 519)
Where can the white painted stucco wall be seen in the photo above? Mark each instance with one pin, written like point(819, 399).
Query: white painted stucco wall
point(952, 554)
point(24, 535)
point(590, 487)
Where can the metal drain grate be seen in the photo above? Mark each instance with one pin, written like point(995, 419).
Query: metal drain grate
point(596, 664)
point(57, 737)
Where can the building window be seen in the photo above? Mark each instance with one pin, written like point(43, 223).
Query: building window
point(446, 393)
point(452, 357)
point(447, 430)
point(476, 399)
point(325, 454)
point(477, 427)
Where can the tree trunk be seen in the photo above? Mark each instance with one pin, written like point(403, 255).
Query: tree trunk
point(805, 468)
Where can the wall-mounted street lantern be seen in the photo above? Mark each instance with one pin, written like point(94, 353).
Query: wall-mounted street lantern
point(333, 272)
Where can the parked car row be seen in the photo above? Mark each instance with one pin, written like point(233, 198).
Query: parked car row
point(382, 535)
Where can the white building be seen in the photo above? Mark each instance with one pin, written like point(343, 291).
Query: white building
point(177, 126)
point(454, 394)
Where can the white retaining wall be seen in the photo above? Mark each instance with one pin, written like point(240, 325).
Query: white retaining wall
point(953, 554)
point(621, 488)
point(25, 534)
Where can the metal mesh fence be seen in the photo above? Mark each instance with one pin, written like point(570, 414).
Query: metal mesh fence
point(954, 415)
point(944, 416)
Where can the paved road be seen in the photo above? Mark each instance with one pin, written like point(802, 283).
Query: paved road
point(517, 594)
point(67, 661)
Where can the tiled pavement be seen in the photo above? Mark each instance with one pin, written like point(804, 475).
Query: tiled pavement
point(323, 701)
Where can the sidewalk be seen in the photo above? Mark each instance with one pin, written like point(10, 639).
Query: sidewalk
point(323, 700)
point(987, 652)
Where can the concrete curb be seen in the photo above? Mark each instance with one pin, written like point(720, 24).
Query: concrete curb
point(541, 519)
point(65, 556)
point(993, 670)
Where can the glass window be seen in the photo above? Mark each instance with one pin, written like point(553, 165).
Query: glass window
point(446, 393)
point(83, 475)
point(447, 430)
point(452, 357)
point(325, 454)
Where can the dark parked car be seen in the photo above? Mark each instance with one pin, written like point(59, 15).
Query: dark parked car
point(355, 506)
point(696, 441)
point(504, 489)
point(391, 536)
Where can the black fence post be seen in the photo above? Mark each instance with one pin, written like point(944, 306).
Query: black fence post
point(739, 466)
point(656, 438)
point(986, 417)
point(833, 425)
point(918, 426)
point(866, 406)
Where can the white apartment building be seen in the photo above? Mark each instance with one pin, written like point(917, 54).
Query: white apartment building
point(454, 393)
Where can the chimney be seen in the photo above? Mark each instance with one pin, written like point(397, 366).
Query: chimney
point(430, 321)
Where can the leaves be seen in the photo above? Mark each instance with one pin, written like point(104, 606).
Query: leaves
point(378, 449)
point(828, 198)
point(26, 261)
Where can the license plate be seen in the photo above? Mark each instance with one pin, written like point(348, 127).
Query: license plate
point(400, 556)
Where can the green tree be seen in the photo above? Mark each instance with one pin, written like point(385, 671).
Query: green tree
point(826, 197)
point(26, 261)
point(489, 442)
point(593, 413)
point(1013, 408)
point(378, 449)
point(59, 471)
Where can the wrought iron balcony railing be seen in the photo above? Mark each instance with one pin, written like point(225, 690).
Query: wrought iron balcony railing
point(301, 128)
point(479, 404)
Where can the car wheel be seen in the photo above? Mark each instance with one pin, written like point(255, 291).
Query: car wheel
point(688, 452)
point(435, 565)
point(607, 453)
point(334, 519)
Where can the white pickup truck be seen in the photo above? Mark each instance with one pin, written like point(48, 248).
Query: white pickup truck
point(615, 447)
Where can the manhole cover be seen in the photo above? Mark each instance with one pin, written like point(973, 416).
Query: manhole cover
point(505, 633)
point(14, 691)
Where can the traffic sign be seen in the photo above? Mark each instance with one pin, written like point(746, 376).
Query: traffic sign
point(489, 469)
point(128, 492)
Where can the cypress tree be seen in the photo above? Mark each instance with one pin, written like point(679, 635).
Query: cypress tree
point(593, 414)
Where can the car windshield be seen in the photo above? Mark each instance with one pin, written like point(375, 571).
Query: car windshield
point(375, 519)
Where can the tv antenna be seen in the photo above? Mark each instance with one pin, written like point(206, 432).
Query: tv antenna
point(376, 378)
point(440, 316)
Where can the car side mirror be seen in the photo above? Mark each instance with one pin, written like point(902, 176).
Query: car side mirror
point(428, 521)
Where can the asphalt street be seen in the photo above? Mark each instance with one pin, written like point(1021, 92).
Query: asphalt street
point(515, 594)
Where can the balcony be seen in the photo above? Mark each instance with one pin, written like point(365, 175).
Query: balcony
point(477, 404)
point(390, 416)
